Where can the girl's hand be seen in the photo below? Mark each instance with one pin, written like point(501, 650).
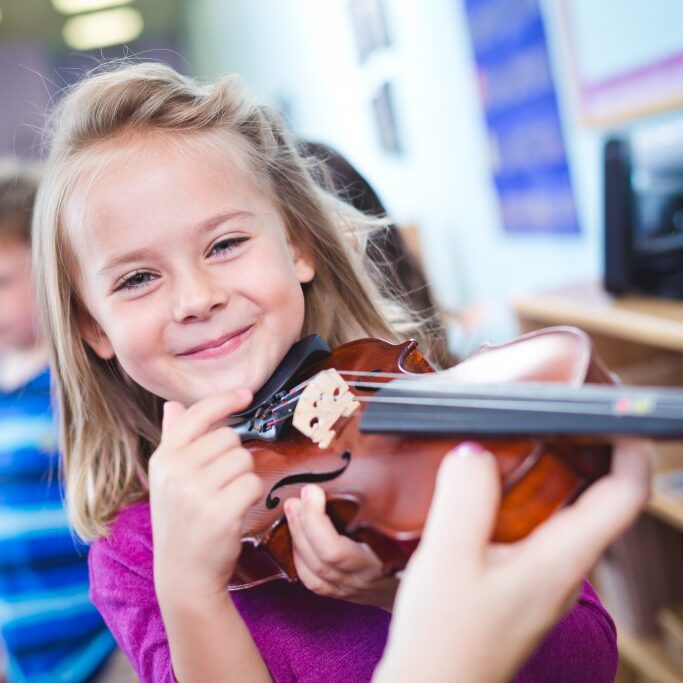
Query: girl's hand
point(201, 483)
point(461, 596)
point(330, 564)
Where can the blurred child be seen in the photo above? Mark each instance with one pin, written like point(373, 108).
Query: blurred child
point(183, 247)
point(51, 630)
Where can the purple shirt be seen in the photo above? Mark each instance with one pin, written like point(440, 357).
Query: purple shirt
point(305, 637)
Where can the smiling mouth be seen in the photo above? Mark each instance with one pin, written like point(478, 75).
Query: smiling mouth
point(219, 347)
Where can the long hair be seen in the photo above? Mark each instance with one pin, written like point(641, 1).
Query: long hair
point(109, 424)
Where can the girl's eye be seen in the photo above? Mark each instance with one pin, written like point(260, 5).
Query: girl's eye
point(135, 281)
point(226, 245)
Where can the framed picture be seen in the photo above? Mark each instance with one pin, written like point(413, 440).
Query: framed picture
point(385, 119)
point(625, 58)
point(369, 26)
point(527, 153)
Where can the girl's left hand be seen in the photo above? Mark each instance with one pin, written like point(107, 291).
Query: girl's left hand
point(330, 564)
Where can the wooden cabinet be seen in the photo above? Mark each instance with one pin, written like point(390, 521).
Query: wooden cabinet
point(640, 339)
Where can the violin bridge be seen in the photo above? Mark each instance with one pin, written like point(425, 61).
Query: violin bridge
point(325, 399)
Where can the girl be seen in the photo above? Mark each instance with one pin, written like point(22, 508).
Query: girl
point(183, 248)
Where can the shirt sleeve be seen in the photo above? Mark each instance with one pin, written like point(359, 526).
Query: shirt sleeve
point(122, 589)
point(581, 647)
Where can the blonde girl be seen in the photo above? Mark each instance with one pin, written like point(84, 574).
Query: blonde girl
point(183, 247)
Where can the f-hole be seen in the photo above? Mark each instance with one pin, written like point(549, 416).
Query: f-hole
point(273, 501)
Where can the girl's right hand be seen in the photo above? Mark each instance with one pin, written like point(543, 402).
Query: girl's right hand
point(201, 483)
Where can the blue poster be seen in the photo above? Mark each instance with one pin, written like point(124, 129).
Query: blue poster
point(527, 151)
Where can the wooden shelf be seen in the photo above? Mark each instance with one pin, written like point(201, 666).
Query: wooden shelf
point(669, 456)
point(652, 322)
point(670, 511)
point(641, 339)
point(647, 655)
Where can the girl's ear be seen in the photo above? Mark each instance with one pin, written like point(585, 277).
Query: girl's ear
point(93, 335)
point(303, 265)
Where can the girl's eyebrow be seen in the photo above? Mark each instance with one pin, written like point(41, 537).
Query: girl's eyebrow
point(212, 222)
point(142, 254)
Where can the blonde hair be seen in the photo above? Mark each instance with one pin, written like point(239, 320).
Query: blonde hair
point(110, 425)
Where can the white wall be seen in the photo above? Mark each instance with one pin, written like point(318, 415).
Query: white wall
point(302, 52)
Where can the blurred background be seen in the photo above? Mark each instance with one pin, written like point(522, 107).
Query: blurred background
point(480, 124)
point(529, 151)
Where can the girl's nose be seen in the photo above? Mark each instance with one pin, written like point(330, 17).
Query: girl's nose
point(197, 297)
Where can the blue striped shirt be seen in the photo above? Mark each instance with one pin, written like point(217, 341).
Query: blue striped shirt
point(50, 628)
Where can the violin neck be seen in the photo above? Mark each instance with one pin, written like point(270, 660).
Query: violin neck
point(521, 410)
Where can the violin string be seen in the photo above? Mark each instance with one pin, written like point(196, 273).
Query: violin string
point(292, 396)
point(473, 397)
point(368, 373)
point(577, 410)
point(525, 387)
point(569, 406)
point(554, 390)
point(297, 390)
point(532, 396)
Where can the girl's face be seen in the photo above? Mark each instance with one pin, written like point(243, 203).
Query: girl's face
point(186, 272)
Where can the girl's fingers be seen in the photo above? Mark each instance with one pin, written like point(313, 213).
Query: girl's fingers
point(216, 444)
point(223, 488)
point(632, 464)
point(237, 497)
point(330, 548)
point(173, 410)
point(221, 471)
point(293, 511)
point(201, 417)
point(618, 498)
point(571, 541)
point(465, 504)
point(313, 581)
point(304, 555)
point(179, 468)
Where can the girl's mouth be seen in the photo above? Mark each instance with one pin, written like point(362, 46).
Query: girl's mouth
point(218, 347)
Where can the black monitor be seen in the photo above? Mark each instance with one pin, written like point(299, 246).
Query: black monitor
point(644, 213)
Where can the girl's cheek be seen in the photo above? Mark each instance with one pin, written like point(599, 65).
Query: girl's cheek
point(133, 331)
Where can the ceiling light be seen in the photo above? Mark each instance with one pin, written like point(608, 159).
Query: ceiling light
point(101, 29)
point(78, 6)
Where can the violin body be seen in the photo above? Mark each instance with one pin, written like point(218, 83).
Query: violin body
point(379, 486)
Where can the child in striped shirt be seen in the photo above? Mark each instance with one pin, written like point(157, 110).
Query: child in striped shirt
point(50, 629)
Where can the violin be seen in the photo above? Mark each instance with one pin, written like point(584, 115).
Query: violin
point(370, 422)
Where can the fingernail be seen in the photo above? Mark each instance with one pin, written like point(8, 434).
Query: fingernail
point(305, 493)
point(469, 449)
point(289, 508)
